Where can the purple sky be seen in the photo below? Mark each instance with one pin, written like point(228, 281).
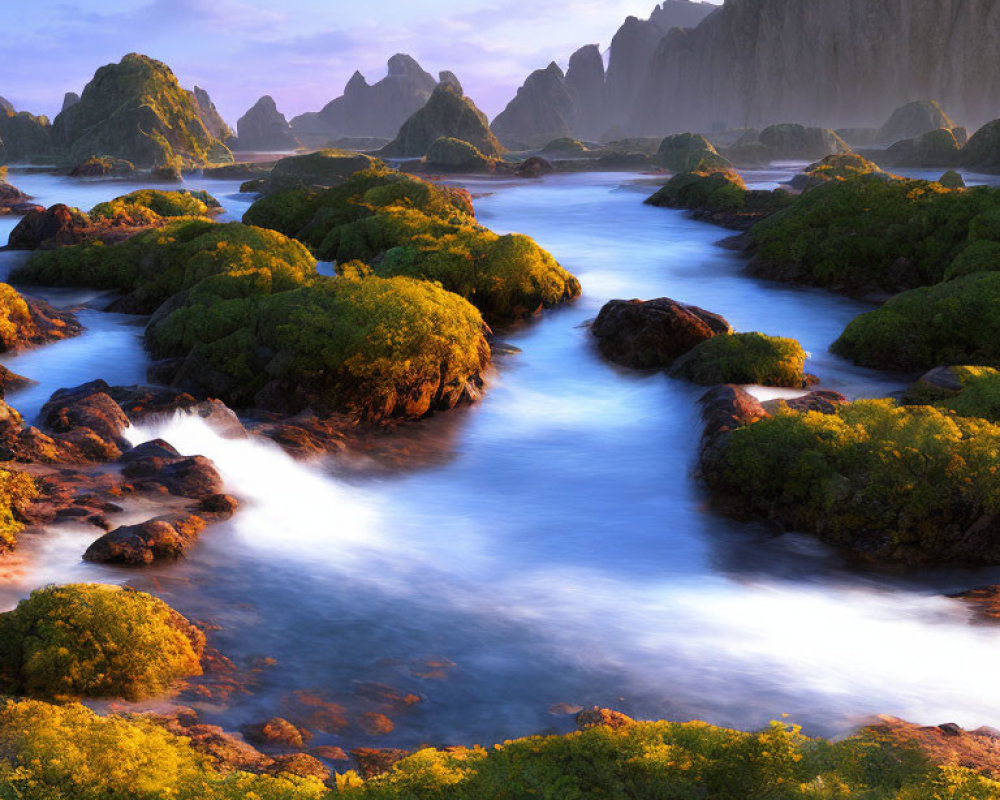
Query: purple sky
point(301, 52)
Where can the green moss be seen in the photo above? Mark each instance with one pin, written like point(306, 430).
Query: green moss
point(147, 206)
point(565, 147)
point(957, 322)
point(839, 167)
point(744, 358)
point(979, 256)
point(159, 263)
point(96, 641)
point(904, 483)
point(453, 154)
point(372, 347)
point(14, 317)
point(17, 490)
point(70, 753)
point(868, 233)
point(703, 190)
point(689, 152)
point(321, 169)
point(966, 391)
point(672, 761)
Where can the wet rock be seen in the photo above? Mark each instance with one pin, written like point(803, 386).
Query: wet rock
point(329, 752)
point(534, 167)
point(99, 167)
point(301, 764)
point(10, 197)
point(946, 744)
point(375, 724)
point(984, 601)
point(823, 402)
point(87, 406)
point(161, 539)
point(595, 717)
point(57, 226)
point(218, 506)
point(227, 751)
point(306, 435)
point(724, 409)
point(372, 762)
point(12, 382)
point(277, 731)
point(157, 466)
point(652, 334)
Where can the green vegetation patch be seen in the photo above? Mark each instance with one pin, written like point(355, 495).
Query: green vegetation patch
point(17, 490)
point(156, 264)
point(721, 190)
point(449, 153)
point(324, 168)
point(902, 483)
point(956, 322)
point(68, 752)
point(148, 206)
point(687, 152)
point(868, 233)
point(91, 640)
point(369, 346)
point(744, 358)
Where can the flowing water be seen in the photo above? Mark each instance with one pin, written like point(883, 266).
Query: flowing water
point(549, 545)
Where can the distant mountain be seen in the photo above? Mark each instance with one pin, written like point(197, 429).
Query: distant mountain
point(586, 103)
point(369, 110)
point(263, 127)
point(830, 64)
point(136, 110)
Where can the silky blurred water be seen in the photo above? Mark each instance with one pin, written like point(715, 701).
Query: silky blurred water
point(549, 545)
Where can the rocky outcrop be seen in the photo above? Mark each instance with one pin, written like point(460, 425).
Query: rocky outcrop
point(793, 142)
point(448, 114)
point(160, 539)
point(13, 200)
point(263, 127)
point(654, 333)
point(55, 226)
point(843, 64)
point(982, 152)
point(585, 81)
point(632, 51)
point(371, 110)
point(23, 136)
point(70, 99)
point(137, 111)
point(543, 110)
point(210, 116)
point(913, 120)
point(937, 148)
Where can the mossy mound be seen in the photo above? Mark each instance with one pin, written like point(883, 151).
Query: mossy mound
point(17, 490)
point(952, 180)
point(136, 110)
point(368, 346)
point(319, 170)
point(744, 358)
point(101, 166)
point(675, 761)
point(67, 752)
point(688, 152)
point(91, 640)
point(148, 206)
point(966, 391)
point(913, 120)
point(157, 264)
point(24, 136)
point(868, 234)
point(938, 148)
point(721, 195)
point(448, 114)
point(956, 322)
point(898, 483)
point(407, 226)
point(454, 155)
point(982, 152)
point(793, 142)
point(564, 147)
point(836, 168)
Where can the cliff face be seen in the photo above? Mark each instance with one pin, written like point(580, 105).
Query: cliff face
point(585, 82)
point(543, 110)
point(371, 110)
point(826, 63)
point(210, 116)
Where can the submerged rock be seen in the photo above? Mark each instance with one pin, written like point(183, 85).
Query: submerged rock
point(654, 333)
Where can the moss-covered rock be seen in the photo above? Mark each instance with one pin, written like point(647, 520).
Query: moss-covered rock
point(836, 168)
point(982, 152)
point(913, 120)
point(870, 234)
point(67, 752)
point(897, 483)
point(136, 110)
point(91, 640)
point(27, 322)
point(688, 152)
point(101, 166)
point(956, 322)
point(966, 391)
point(952, 180)
point(367, 346)
point(17, 490)
point(792, 142)
point(148, 206)
point(744, 358)
point(937, 148)
point(406, 226)
point(319, 170)
point(564, 147)
point(721, 196)
point(454, 155)
point(157, 264)
point(447, 114)
point(24, 136)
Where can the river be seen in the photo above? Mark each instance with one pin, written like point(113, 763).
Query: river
point(549, 545)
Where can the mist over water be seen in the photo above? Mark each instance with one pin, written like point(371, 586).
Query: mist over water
point(549, 545)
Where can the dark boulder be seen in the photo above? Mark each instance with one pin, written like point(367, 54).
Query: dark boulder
point(160, 539)
point(56, 226)
point(652, 334)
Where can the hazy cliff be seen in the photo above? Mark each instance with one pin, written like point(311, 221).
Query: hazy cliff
point(826, 63)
